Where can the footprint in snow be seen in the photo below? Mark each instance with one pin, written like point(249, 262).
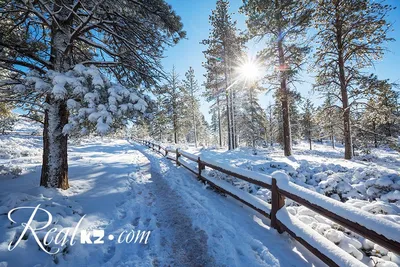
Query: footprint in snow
point(147, 222)
point(121, 214)
point(109, 254)
point(135, 221)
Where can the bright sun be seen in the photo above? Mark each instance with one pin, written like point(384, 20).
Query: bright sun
point(250, 70)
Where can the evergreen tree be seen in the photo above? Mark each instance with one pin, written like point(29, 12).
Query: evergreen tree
point(293, 100)
point(328, 117)
point(223, 53)
point(308, 121)
point(272, 125)
point(159, 126)
point(252, 118)
point(380, 116)
point(284, 23)
point(124, 37)
point(7, 118)
point(351, 34)
point(174, 100)
point(192, 88)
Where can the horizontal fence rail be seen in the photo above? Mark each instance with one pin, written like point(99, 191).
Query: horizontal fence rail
point(380, 231)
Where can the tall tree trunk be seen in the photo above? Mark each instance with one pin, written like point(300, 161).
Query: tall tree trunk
point(233, 133)
point(234, 127)
point(55, 155)
point(228, 106)
point(343, 89)
point(219, 123)
point(175, 129)
point(228, 116)
point(253, 139)
point(287, 135)
point(270, 127)
point(375, 135)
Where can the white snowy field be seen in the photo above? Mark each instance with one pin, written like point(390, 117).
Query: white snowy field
point(121, 187)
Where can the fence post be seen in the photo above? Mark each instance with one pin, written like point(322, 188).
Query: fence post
point(201, 167)
point(177, 157)
point(278, 201)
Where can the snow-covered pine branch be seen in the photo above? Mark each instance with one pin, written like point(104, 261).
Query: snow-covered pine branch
point(94, 103)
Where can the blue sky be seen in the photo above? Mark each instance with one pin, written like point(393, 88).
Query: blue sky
point(188, 52)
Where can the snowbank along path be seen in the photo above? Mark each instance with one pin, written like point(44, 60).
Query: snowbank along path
point(204, 228)
point(123, 187)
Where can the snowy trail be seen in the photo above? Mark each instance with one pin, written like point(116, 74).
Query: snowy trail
point(186, 246)
point(127, 187)
point(199, 220)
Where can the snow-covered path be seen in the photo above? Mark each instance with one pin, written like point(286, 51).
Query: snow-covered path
point(207, 229)
point(181, 244)
point(124, 187)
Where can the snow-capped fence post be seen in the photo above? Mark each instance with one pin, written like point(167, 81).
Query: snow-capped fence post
point(278, 202)
point(177, 157)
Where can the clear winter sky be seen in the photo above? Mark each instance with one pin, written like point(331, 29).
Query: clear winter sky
point(188, 52)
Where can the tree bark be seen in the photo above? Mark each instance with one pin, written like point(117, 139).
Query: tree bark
point(175, 130)
point(287, 135)
point(228, 116)
point(219, 123)
point(375, 135)
point(343, 90)
point(55, 157)
point(194, 116)
point(55, 154)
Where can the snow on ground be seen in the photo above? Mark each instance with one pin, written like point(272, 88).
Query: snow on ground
point(369, 182)
point(119, 187)
point(27, 127)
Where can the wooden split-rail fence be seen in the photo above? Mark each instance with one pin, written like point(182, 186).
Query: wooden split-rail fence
point(380, 231)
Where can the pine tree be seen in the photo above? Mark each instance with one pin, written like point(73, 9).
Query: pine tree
point(328, 117)
point(7, 118)
point(284, 23)
point(223, 53)
point(293, 101)
point(272, 129)
point(124, 37)
point(159, 126)
point(175, 102)
point(308, 121)
point(380, 115)
point(252, 118)
point(192, 88)
point(351, 34)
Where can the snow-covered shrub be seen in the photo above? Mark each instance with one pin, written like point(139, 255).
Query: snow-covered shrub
point(9, 169)
point(16, 170)
point(93, 102)
point(384, 187)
